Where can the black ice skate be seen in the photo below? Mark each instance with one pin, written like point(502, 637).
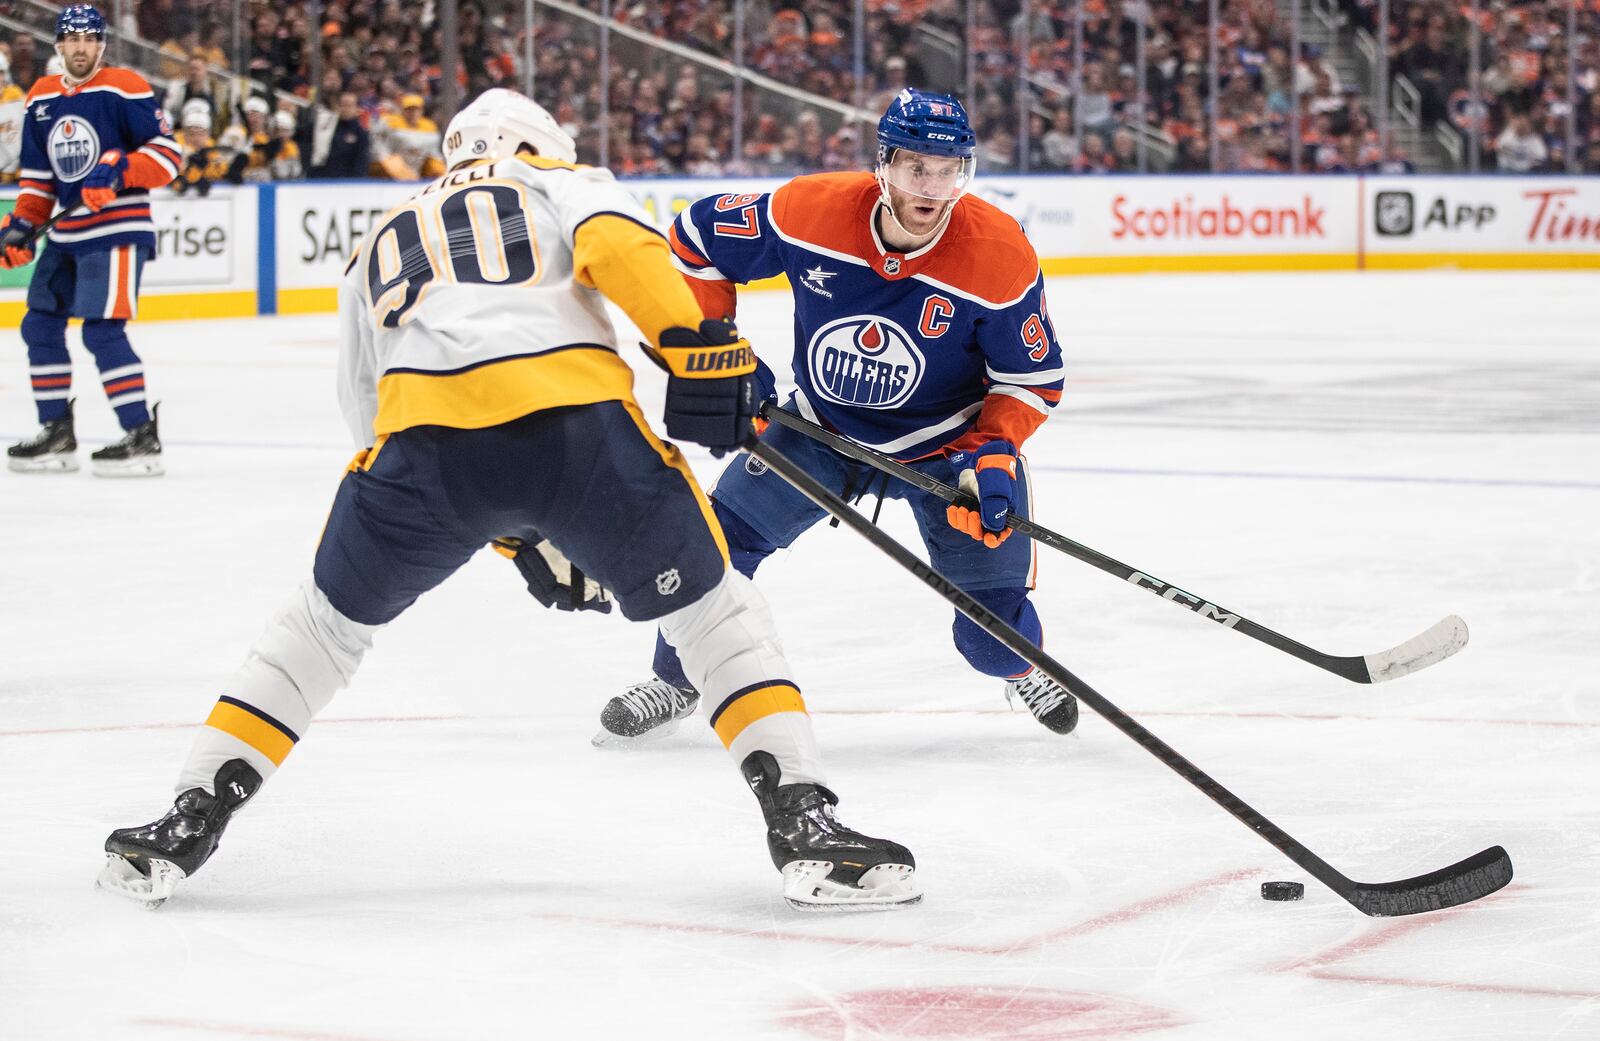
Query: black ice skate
point(52, 450)
point(146, 863)
point(827, 866)
point(138, 454)
point(1050, 702)
point(644, 712)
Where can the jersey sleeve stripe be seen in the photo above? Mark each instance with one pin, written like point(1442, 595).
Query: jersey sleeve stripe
point(614, 213)
point(1037, 376)
point(683, 251)
point(37, 175)
point(162, 159)
point(1025, 395)
point(40, 193)
point(704, 274)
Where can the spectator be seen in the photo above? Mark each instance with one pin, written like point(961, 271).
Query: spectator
point(9, 91)
point(1519, 149)
point(350, 149)
point(194, 87)
point(407, 146)
point(282, 154)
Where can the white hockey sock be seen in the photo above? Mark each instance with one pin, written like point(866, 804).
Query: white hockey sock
point(729, 649)
point(308, 653)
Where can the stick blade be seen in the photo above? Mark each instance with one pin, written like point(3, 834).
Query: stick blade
point(1477, 876)
point(1443, 639)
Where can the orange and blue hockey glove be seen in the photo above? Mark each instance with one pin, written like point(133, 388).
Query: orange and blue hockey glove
point(104, 180)
point(988, 474)
point(16, 241)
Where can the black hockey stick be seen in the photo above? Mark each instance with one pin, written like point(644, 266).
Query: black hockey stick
point(1436, 644)
point(43, 229)
point(1475, 877)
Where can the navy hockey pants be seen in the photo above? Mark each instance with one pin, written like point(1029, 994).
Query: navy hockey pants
point(592, 479)
point(761, 512)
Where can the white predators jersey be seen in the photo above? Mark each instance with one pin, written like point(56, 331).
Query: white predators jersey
point(473, 304)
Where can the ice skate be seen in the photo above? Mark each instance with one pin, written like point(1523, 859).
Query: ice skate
point(138, 454)
point(1050, 702)
point(52, 450)
point(146, 863)
point(645, 712)
point(827, 866)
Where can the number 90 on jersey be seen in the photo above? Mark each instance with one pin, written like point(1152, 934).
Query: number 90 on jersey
point(475, 235)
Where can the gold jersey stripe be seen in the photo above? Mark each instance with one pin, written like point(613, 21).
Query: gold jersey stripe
point(252, 730)
point(754, 705)
point(672, 457)
point(501, 391)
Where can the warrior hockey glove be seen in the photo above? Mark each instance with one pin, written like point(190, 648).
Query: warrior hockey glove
point(554, 580)
point(104, 179)
point(712, 397)
point(16, 241)
point(989, 475)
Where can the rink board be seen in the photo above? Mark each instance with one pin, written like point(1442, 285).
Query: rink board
point(280, 249)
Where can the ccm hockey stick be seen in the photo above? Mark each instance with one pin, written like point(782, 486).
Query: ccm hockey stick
point(43, 229)
point(1445, 638)
point(1475, 877)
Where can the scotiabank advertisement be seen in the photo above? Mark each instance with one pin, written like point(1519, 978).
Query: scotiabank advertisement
point(1189, 216)
point(1485, 218)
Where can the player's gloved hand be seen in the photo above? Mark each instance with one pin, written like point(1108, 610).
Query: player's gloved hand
point(988, 474)
point(104, 179)
point(766, 394)
point(16, 241)
point(554, 580)
point(711, 385)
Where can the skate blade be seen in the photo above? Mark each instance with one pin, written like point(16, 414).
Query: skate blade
point(45, 464)
point(147, 467)
point(620, 742)
point(806, 887)
point(123, 879)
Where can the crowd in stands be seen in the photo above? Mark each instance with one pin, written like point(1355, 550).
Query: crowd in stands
point(376, 108)
point(1525, 56)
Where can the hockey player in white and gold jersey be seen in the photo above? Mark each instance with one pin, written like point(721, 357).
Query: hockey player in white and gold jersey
point(480, 377)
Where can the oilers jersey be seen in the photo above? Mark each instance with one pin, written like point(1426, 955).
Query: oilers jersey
point(66, 130)
point(912, 354)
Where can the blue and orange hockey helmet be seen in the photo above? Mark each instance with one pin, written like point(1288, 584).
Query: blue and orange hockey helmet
point(80, 20)
point(922, 121)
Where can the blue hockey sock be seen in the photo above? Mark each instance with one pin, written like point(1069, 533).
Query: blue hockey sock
point(121, 371)
point(747, 548)
point(49, 364)
point(982, 651)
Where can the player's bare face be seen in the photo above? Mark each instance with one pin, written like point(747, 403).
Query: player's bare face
point(921, 191)
point(80, 54)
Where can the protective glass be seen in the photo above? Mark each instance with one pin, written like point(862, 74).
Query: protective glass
point(937, 177)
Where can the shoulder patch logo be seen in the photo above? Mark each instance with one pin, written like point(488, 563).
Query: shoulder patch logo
point(865, 361)
point(73, 147)
point(816, 278)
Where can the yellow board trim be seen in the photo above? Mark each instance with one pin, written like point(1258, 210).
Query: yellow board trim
point(672, 457)
point(166, 308)
point(308, 301)
point(1482, 261)
point(252, 730)
point(501, 391)
point(757, 704)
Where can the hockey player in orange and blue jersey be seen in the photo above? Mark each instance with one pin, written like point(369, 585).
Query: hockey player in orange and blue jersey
point(920, 331)
point(94, 141)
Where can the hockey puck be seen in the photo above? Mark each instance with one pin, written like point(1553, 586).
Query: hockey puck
point(1282, 890)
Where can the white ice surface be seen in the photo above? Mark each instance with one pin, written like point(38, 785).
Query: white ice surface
point(1345, 459)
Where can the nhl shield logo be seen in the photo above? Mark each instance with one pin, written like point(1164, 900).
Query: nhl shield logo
point(891, 265)
point(1395, 213)
point(73, 147)
point(866, 361)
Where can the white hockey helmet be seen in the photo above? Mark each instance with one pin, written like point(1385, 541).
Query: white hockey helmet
point(499, 120)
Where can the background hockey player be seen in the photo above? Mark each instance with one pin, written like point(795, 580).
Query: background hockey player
point(479, 366)
point(93, 142)
point(920, 331)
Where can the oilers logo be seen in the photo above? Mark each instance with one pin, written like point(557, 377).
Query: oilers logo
point(73, 146)
point(865, 361)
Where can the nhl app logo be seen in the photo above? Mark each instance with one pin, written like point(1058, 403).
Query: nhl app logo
point(1394, 213)
point(73, 146)
point(866, 361)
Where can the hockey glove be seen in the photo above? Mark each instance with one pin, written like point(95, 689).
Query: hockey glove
point(989, 475)
point(711, 385)
point(16, 241)
point(104, 179)
point(554, 580)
